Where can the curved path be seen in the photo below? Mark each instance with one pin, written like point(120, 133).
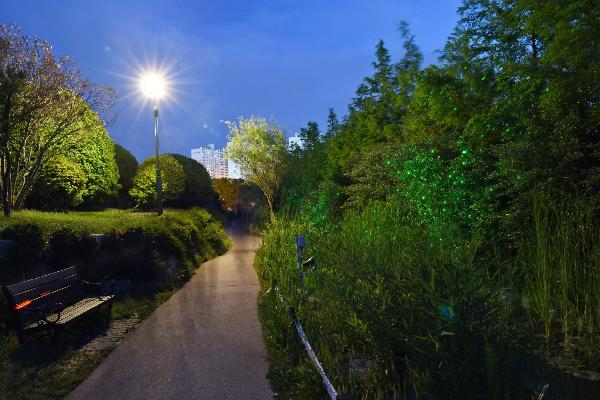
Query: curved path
point(205, 342)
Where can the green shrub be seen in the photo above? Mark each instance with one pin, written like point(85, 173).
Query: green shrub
point(143, 190)
point(198, 189)
point(61, 186)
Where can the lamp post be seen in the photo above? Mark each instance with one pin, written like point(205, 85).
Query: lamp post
point(153, 86)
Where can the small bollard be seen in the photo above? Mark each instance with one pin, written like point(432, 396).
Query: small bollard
point(299, 249)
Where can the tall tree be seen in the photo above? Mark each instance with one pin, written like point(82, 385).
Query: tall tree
point(42, 100)
point(94, 156)
point(333, 125)
point(306, 167)
point(228, 191)
point(259, 148)
point(532, 68)
point(406, 70)
point(310, 136)
point(376, 113)
point(198, 186)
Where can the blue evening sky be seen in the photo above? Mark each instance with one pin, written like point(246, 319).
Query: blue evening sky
point(288, 61)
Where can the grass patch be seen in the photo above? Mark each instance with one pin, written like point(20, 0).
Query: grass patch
point(140, 305)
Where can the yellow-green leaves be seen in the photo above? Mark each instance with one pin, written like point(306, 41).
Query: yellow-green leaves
point(259, 148)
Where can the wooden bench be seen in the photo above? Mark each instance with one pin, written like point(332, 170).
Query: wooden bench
point(52, 301)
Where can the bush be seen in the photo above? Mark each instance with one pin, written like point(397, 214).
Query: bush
point(143, 191)
point(63, 246)
point(198, 186)
point(60, 186)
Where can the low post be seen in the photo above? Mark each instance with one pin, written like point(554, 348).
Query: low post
point(299, 250)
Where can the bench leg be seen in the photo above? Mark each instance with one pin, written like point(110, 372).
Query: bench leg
point(109, 312)
point(56, 332)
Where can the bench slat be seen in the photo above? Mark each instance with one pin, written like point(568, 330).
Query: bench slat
point(42, 280)
point(74, 311)
point(77, 311)
point(45, 289)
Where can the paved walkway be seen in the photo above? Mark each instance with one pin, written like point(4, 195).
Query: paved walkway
point(204, 343)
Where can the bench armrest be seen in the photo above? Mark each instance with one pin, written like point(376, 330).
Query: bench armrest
point(46, 309)
point(102, 287)
point(92, 283)
point(59, 309)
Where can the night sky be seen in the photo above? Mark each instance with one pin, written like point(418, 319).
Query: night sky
point(288, 61)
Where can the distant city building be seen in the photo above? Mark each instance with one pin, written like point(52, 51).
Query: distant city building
point(215, 162)
point(294, 141)
point(234, 170)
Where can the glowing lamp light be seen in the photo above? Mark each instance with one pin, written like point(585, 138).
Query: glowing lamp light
point(153, 86)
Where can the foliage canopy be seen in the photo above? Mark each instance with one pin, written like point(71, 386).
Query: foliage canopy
point(259, 148)
point(43, 100)
point(143, 190)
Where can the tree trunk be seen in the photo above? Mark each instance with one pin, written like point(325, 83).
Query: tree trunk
point(5, 184)
point(270, 203)
point(5, 165)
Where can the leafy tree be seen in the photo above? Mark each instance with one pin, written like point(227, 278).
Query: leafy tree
point(237, 193)
point(333, 125)
point(198, 186)
point(128, 166)
point(305, 167)
point(95, 154)
point(228, 191)
point(250, 194)
point(60, 187)
point(373, 176)
point(407, 70)
point(529, 71)
point(310, 136)
point(376, 113)
point(42, 101)
point(259, 148)
point(143, 190)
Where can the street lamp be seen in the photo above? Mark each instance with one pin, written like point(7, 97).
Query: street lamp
point(153, 86)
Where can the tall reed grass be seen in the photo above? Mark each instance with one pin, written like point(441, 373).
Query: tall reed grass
point(392, 312)
point(560, 261)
